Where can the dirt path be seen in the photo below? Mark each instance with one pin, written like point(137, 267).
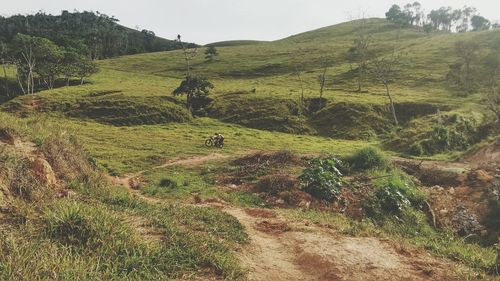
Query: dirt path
point(280, 250)
point(283, 250)
point(132, 180)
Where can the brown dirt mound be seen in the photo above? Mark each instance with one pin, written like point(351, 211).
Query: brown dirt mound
point(272, 227)
point(431, 173)
point(275, 184)
point(315, 253)
point(260, 213)
point(487, 157)
point(263, 159)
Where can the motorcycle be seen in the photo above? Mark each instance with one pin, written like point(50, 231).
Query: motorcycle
point(214, 142)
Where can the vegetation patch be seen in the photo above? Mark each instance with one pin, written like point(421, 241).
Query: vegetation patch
point(128, 111)
point(437, 134)
point(351, 121)
point(322, 179)
point(282, 115)
point(365, 159)
point(252, 166)
point(392, 196)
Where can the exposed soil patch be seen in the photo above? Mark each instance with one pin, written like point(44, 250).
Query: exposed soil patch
point(134, 181)
point(432, 173)
point(260, 213)
point(271, 227)
point(314, 253)
point(487, 157)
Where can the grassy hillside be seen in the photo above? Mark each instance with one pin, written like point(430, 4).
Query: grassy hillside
point(255, 82)
point(234, 43)
point(255, 86)
point(180, 210)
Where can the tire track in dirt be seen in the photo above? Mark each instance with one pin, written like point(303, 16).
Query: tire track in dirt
point(314, 253)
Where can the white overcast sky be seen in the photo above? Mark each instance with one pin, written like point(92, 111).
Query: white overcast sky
point(205, 21)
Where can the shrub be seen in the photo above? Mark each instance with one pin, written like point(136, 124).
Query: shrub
point(368, 158)
point(166, 182)
point(493, 217)
point(392, 197)
point(322, 179)
point(275, 184)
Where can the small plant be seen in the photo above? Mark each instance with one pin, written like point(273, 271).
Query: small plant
point(322, 179)
point(69, 225)
point(368, 158)
point(392, 197)
point(493, 217)
point(167, 182)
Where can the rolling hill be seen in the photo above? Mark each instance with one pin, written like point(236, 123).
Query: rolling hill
point(256, 86)
point(111, 180)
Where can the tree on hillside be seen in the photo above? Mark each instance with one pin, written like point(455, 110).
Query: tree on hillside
point(189, 54)
point(359, 54)
point(399, 17)
point(461, 72)
point(40, 62)
point(69, 68)
point(298, 73)
point(193, 87)
point(480, 23)
point(444, 18)
point(211, 53)
point(411, 14)
point(467, 13)
point(85, 68)
point(24, 55)
point(102, 36)
point(49, 62)
point(489, 79)
point(385, 71)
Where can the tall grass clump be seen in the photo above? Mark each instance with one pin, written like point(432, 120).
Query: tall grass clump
point(86, 227)
point(366, 159)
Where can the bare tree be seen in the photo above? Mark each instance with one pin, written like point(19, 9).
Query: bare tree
point(462, 71)
point(490, 76)
point(189, 54)
point(360, 53)
point(322, 76)
point(298, 73)
point(30, 63)
point(3, 57)
point(385, 71)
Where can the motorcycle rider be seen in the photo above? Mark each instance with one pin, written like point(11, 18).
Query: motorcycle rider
point(218, 139)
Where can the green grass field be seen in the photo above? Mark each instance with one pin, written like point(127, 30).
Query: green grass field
point(255, 87)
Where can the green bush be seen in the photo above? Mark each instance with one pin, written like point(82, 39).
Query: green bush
point(493, 218)
point(166, 182)
point(322, 179)
point(368, 158)
point(392, 197)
